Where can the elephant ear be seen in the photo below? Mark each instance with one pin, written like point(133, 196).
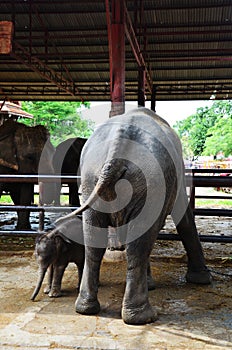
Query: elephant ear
point(43, 132)
point(7, 146)
point(72, 230)
point(30, 142)
point(43, 137)
point(8, 128)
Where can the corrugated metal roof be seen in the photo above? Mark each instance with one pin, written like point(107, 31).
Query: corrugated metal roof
point(187, 46)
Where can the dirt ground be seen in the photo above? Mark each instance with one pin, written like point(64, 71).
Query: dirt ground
point(190, 316)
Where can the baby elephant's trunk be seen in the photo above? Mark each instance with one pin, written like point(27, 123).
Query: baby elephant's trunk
point(39, 283)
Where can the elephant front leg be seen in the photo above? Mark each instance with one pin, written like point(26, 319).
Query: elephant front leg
point(136, 308)
point(23, 221)
point(25, 199)
point(87, 302)
point(74, 195)
point(47, 289)
point(58, 273)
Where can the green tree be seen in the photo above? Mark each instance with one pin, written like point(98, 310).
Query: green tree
point(62, 119)
point(219, 137)
point(209, 130)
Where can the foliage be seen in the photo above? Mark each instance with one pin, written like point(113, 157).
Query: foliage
point(219, 137)
point(62, 119)
point(209, 130)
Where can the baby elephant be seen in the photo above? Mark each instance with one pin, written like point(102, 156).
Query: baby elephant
point(54, 250)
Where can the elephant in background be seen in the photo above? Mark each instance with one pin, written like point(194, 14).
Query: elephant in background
point(132, 177)
point(66, 161)
point(25, 150)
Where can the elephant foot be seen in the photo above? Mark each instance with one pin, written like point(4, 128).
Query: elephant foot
point(150, 283)
point(23, 228)
point(87, 307)
point(139, 315)
point(199, 277)
point(47, 290)
point(55, 293)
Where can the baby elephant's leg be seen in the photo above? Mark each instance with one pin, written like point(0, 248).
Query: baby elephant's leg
point(56, 282)
point(49, 280)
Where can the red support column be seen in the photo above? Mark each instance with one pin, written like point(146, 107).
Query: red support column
point(6, 34)
point(116, 34)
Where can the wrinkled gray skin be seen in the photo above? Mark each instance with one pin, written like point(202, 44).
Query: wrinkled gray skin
point(54, 251)
point(66, 161)
point(21, 148)
point(116, 140)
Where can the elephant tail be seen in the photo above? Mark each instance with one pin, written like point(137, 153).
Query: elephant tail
point(42, 273)
point(110, 173)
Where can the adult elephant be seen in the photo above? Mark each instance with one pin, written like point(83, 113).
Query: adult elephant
point(25, 150)
point(66, 161)
point(132, 176)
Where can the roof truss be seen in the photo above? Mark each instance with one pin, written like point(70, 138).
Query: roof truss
point(61, 49)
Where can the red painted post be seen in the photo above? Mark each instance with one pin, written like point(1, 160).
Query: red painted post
point(117, 57)
point(6, 33)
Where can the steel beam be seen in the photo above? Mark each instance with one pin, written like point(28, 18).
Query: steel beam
point(129, 30)
point(42, 69)
point(153, 98)
point(141, 86)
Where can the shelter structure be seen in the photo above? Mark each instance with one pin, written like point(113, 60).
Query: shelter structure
point(12, 110)
point(93, 50)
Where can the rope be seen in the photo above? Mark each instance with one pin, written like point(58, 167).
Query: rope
point(220, 273)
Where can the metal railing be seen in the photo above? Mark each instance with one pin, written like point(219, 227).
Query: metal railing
point(194, 178)
point(208, 178)
point(41, 209)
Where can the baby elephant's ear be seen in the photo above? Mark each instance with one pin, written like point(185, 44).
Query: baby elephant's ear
point(72, 230)
point(39, 236)
point(64, 238)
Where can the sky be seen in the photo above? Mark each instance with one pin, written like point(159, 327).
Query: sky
point(171, 111)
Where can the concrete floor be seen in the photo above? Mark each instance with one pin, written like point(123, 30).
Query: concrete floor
point(190, 317)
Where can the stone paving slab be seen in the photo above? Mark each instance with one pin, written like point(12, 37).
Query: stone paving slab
point(33, 331)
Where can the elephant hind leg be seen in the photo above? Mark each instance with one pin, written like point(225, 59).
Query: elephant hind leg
point(150, 279)
point(87, 302)
point(186, 228)
point(136, 308)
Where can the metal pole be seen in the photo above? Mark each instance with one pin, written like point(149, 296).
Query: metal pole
point(141, 86)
